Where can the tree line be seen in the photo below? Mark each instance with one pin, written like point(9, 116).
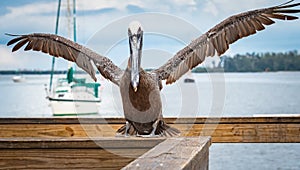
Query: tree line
point(249, 62)
point(256, 62)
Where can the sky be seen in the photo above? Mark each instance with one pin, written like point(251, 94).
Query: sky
point(102, 26)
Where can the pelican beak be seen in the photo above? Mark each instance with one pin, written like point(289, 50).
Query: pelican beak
point(135, 41)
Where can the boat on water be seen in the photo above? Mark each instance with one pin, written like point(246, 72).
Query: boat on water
point(189, 80)
point(18, 79)
point(74, 96)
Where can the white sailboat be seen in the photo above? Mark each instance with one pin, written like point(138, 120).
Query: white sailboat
point(73, 96)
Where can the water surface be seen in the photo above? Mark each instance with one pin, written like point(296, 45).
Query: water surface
point(230, 94)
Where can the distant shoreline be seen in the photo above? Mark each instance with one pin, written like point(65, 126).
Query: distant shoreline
point(196, 70)
point(239, 63)
point(37, 72)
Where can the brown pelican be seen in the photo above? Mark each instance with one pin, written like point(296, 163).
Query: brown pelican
point(140, 90)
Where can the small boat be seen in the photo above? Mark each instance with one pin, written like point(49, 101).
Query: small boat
point(18, 79)
point(73, 96)
point(189, 80)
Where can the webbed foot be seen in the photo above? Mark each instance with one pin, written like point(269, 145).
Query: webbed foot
point(148, 136)
point(125, 134)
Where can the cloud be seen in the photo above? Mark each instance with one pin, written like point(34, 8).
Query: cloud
point(135, 9)
point(27, 60)
point(31, 9)
point(7, 59)
point(184, 2)
point(122, 5)
point(211, 8)
point(94, 16)
point(95, 5)
point(33, 17)
point(226, 7)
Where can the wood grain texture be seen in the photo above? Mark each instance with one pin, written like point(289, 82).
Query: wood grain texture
point(66, 158)
point(231, 129)
point(78, 143)
point(175, 153)
point(103, 153)
point(72, 153)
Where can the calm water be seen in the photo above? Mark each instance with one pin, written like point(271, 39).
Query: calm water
point(231, 94)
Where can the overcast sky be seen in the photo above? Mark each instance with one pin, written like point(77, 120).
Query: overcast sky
point(103, 23)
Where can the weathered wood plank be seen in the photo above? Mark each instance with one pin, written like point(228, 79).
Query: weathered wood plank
point(196, 120)
point(72, 153)
point(175, 153)
point(78, 143)
point(245, 133)
point(66, 158)
point(58, 130)
point(103, 153)
point(251, 129)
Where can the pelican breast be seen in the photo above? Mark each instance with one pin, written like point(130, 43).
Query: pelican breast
point(144, 105)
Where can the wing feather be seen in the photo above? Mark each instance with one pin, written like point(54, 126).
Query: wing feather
point(250, 26)
point(215, 43)
point(13, 41)
point(265, 20)
point(61, 47)
point(200, 57)
point(257, 25)
point(19, 45)
point(211, 50)
point(231, 35)
point(28, 46)
point(72, 54)
point(45, 48)
point(222, 42)
point(242, 30)
point(37, 45)
point(220, 37)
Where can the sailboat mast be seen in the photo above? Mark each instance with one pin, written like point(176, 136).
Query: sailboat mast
point(74, 20)
point(56, 32)
point(71, 66)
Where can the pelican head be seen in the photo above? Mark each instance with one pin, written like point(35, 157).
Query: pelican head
point(135, 33)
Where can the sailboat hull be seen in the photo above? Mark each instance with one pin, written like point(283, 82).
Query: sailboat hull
point(63, 107)
point(74, 98)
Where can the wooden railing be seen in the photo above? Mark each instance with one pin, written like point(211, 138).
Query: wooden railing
point(231, 129)
point(104, 153)
point(86, 143)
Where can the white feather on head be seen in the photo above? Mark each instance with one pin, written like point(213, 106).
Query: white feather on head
point(134, 27)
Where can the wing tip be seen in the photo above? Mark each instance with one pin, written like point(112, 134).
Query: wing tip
point(14, 35)
point(14, 40)
point(94, 78)
point(287, 5)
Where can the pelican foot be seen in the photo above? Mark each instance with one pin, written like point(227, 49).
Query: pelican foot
point(122, 135)
point(148, 136)
point(125, 134)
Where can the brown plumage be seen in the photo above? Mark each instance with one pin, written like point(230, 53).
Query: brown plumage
point(140, 90)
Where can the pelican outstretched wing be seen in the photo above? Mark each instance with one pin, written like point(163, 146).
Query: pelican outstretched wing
point(217, 39)
point(61, 47)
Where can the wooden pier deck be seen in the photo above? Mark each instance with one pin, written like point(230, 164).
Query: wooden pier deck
point(90, 143)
